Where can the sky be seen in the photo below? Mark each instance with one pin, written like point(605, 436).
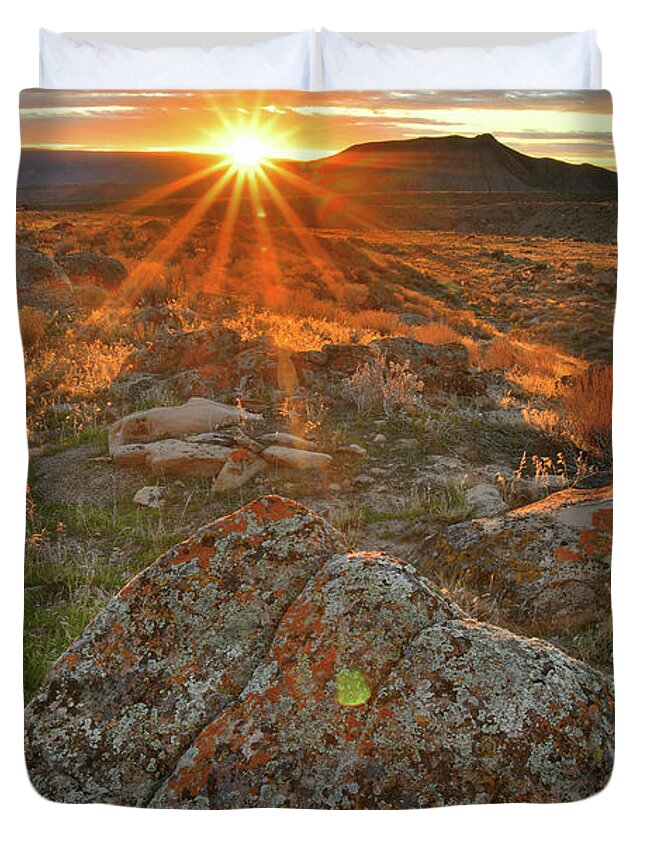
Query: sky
point(570, 126)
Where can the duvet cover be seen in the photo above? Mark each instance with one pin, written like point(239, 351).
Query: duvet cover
point(319, 414)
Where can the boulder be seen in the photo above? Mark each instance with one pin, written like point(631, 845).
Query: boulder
point(173, 456)
point(257, 664)
point(333, 363)
point(546, 563)
point(169, 653)
point(34, 268)
point(240, 467)
point(198, 415)
point(150, 496)
point(441, 367)
point(102, 270)
point(484, 499)
point(212, 349)
point(377, 693)
point(292, 457)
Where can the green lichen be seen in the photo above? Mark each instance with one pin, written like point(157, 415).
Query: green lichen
point(352, 687)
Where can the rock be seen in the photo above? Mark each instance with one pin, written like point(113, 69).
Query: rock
point(355, 449)
point(173, 456)
point(34, 268)
point(198, 415)
point(407, 443)
point(103, 270)
point(211, 349)
point(318, 368)
point(292, 457)
point(169, 653)
point(376, 692)
point(285, 439)
point(210, 438)
point(317, 357)
point(240, 467)
point(132, 455)
point(363, 481)
point(258, 665)
point(261, 365)
point(608, 279)
point(243, 440)
point(547, 563)
point(485, 500)
point(441, 367)
point(150, 496)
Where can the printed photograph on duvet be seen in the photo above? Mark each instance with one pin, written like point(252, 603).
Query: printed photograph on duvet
point(319, 507)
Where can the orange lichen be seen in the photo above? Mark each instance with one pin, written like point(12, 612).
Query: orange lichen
point(595, 542)
point(259, 759)
point(323, 669)
point(566, 555)
point(115, 649)
point(602, 519)
point(273, 508)
point(69, 661)
point(234, 523)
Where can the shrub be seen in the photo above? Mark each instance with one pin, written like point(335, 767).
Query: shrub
point(33, 326)
point(381, 385)
point(588, 405)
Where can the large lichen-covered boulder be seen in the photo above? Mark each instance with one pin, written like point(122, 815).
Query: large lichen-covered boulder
point(257, 664)
point(547, 564)
point(168, 653)
point(377, 692)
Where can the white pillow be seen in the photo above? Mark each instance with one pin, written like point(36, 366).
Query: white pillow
point(566, 62)
point(285, 62)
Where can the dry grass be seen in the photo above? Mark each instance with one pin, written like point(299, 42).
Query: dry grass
point(500, 354)
point(437, 333)
point(33, 326)
point(588, 410)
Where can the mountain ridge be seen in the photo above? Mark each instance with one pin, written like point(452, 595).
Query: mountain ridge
point(444, 163)
point(480, 164)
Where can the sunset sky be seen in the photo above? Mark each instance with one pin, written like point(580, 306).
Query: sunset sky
point(571, 126)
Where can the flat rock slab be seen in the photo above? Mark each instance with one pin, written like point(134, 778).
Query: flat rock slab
point(173, 456)
point(548, 563)
point(168, 653)
point(198, 415)
point(286, 439)
point(292, 457)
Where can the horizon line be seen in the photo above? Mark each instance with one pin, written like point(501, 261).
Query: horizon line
point(315, 154)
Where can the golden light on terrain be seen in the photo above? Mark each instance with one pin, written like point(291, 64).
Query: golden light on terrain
point(246, 166)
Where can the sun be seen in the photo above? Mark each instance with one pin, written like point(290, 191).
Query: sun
point(247, 152)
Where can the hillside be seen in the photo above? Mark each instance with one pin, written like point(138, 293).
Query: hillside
point(453, 163)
